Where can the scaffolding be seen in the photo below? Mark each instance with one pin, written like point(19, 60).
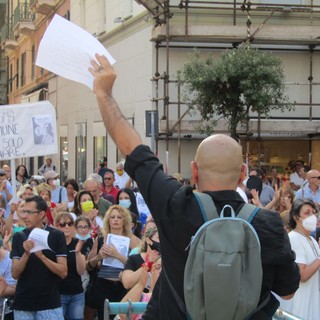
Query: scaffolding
point(218, 25)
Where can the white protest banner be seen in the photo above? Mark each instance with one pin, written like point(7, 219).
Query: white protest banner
point(27, 130)
point(66, 50)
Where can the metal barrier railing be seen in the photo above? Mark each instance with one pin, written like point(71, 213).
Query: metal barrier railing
point(284, 315)
point(129, 308)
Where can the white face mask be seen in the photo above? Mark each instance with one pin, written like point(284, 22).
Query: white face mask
point(126, 203)
point(56, 182)
point(310, 223)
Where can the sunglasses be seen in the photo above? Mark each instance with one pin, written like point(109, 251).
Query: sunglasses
point(63, 224)
point(316, 177)
point(2, 174)
point(107, 178)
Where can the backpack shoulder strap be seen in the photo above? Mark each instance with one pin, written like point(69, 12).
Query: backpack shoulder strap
point(248, 212)
point(207, 206)
point(60, 194)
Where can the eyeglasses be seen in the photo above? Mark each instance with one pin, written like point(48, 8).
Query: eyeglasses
point(316, 177)
point(63, 224)
point(30, 211)
point(82, 227)
point(107, 178)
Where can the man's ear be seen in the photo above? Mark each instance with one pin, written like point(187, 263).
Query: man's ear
point(42, 214)
point(243, 173)
point(194, 172)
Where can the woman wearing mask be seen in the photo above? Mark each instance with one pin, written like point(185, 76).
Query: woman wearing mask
point(137, 293)
point(83, 229)
point(127, 199)
point(303, 220)
point(149, 252)
point(58, 193)
point(84, 205)
point(83, 226)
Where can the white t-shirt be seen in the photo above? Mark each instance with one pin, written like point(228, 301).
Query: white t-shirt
point(242, 194)
point(141, 204)
point(121, 181)
point(306, 301)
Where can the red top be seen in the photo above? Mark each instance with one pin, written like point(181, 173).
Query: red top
point(114, 192)
point(49, 215)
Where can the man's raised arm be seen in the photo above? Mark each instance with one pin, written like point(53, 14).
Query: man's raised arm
point(123, 134)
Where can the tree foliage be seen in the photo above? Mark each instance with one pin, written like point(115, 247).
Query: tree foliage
point(242, 79)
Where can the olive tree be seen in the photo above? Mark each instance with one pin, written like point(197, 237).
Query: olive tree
point(242, 79)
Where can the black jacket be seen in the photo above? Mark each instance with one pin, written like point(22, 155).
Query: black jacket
point(178, 216)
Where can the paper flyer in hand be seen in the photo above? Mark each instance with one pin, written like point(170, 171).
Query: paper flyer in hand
point(122, 245)
point(66, 50)
point(40, 238)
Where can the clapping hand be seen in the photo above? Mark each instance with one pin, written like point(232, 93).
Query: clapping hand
point(79, 246)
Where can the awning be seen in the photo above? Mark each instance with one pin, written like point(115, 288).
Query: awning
point(38, 95)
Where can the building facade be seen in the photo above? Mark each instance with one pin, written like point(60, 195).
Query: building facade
point(150, 41)
point(24, 25)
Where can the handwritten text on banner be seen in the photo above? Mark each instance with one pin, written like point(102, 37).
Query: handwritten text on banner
point(27, 130)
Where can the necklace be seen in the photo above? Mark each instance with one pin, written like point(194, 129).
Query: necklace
point(315, 251)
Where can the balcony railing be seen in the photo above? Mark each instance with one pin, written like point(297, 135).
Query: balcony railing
point(22, 13)
point(10, 40)
point(23, 19)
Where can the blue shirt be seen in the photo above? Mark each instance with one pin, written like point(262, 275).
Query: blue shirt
point(55, 195)
point(266, 195)
point(306, 193)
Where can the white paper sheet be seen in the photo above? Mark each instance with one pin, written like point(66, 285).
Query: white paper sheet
point(40, 238)
point(66, 50)
point(122, 244)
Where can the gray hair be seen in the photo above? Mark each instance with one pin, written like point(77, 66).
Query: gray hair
point(89, 180)
point(120, 164)
point(96, 177)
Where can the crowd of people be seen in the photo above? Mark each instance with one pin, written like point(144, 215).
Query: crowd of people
point(86, 228)
point(66, 248)
point(297, 200)
point(79, 279)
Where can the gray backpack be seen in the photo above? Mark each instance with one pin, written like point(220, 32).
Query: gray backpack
point(223, 273)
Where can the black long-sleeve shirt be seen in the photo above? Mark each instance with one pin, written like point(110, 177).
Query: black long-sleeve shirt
point(178, 216)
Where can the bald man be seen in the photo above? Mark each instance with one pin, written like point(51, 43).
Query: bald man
point(216, 170)
point(312, 188)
